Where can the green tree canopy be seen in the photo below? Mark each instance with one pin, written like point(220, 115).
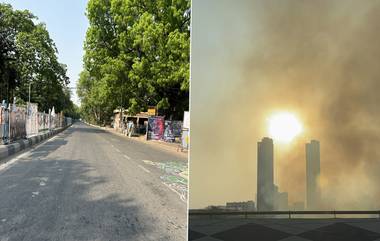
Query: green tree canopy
point(136, 55)
point(29, 57)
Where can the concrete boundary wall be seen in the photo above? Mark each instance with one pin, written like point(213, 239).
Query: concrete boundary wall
point(10, 149)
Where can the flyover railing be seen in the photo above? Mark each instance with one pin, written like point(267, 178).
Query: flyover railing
point(288, 214)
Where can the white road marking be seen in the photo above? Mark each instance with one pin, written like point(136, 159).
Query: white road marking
point(35, 194)
point(51, 139)
point(146, 170)
point(7, 164)
point(13, 160)
point(182, 197)
point(127, 157)
point(59, 169)
point(149, 162)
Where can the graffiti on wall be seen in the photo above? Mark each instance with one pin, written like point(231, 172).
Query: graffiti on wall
point(32, 119)
point(156, 127)
point(18, 122)
point(17, 128)
point(43, 121)
point(172, 131)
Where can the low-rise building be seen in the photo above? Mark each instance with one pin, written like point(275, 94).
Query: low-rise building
point(241, 206)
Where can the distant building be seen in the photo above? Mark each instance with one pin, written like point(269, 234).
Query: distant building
point(241, 206)
point(313, 171)
point(265, 181)
point(297, 206)
point(215, 207)
point(140, 120)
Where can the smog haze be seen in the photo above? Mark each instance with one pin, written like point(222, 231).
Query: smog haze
point(317, 59)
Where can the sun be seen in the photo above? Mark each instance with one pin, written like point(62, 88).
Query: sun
point(284, 127)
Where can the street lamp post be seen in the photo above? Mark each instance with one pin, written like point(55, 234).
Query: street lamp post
point(29, 118)
point(30, 83)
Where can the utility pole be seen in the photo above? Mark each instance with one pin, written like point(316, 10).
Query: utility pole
point(29, 119)
point(30, 83)
point(121, 105)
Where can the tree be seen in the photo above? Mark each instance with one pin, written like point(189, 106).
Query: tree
point(8, 71)
point(136, 55)
point(29, 57)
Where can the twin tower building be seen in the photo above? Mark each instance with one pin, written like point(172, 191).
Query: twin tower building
point(268, 197)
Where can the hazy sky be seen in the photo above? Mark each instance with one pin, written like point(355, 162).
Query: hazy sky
point(316, 59)
point(67, 25)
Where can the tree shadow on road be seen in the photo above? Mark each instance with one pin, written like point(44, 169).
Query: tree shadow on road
point(50, 146)
point(65, 200)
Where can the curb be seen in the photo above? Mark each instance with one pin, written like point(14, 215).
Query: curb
point(13, 148)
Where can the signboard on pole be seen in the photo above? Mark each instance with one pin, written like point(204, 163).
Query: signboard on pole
point(186, 120)
point(186, 130)
point(152, 111)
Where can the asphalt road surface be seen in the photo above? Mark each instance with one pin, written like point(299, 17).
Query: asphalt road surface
point(88, 184)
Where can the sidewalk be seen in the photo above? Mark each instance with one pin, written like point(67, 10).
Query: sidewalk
point(172, 147)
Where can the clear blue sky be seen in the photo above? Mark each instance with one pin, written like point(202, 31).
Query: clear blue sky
point(67, 25)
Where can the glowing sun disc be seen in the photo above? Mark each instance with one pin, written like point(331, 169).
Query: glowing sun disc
point(284, 127)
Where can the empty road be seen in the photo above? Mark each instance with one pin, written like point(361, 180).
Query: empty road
point(88, 184)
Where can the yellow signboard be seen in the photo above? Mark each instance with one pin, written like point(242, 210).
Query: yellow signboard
point(152, 111)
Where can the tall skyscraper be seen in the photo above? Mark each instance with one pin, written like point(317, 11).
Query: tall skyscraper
point(313, 170)
point(265, 181)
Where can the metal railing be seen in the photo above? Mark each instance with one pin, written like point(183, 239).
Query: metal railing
point(203, 212)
